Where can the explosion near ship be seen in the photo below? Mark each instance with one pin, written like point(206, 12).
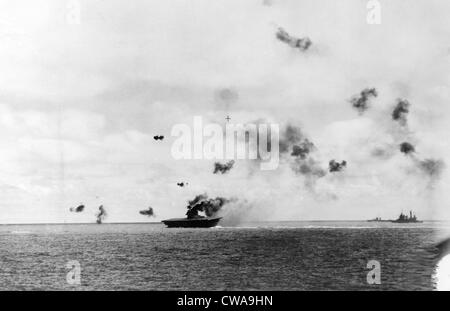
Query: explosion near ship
point(201, 203)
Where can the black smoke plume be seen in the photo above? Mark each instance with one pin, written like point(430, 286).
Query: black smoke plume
point(223, 168)
point(158, 137)
point(292, 135)
point(101, 215)
point(77, 209)
point(309, 168)
point(148, 212)
point(303, 149)
point(407, 148)
point(400, 112)
point(299, 43)
point(295, 142)
point(361, 102)
point(201, 203)
point(334, 166)
point(432, 167)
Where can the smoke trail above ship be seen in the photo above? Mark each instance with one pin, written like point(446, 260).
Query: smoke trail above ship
point(202, 203)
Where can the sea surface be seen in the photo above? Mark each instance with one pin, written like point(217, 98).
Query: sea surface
point(255, 256)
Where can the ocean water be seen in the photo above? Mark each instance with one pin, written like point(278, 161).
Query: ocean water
point(256, 256)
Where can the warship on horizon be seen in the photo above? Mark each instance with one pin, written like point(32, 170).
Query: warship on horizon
point(192, 220)
point(403, 218)
point(378, 219)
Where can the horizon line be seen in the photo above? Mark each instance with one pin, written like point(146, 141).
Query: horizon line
point(159, 222)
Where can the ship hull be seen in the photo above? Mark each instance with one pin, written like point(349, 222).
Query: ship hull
point(192, 223)
point(406, 222)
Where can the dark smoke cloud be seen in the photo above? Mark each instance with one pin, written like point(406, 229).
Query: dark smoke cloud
point(407, 148)
point(158, 137)
point(77, 209)
point(292, 135)
point(148, 212)
point(432, 167)
point(201, 203)
point(384, 152)
point(361, 102)
point(223, 168)
point(295, 143)
point(334, 166)
point(308, 168)
point(429, 167)
point(400, 115)
point(400, 112)
point(227, 95)
point(101, 215)
point(303, 149)
point(299, 43)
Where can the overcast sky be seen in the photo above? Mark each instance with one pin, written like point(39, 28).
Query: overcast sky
point(81, 102)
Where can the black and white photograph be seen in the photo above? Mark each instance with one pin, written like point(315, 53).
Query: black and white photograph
point(242, 147)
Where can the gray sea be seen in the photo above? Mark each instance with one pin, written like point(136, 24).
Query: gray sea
point(255, 256)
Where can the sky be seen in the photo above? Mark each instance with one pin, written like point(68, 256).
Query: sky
point(82, 95)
